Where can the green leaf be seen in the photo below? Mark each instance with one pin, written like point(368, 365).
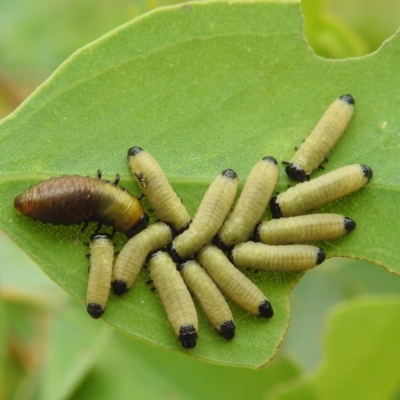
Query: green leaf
point(153, 373)
point(362, 352)
point(203, 87)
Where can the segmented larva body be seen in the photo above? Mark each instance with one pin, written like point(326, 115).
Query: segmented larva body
point(251, 204)
point(175, 297)
point(133, 255)
point(152, 180)
point(101, 262)
point(295, 257)
point(321, 190)
point(75, 199)
point(210, 298)
point(210, 215)
point(303, 228)
point(330, 128)
point(233, 283)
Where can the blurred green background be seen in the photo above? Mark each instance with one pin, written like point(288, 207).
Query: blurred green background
point(49, 347)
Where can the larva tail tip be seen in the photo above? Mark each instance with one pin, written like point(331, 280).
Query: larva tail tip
point(227, 330)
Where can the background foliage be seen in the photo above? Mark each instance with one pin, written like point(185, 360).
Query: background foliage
point(35, 357)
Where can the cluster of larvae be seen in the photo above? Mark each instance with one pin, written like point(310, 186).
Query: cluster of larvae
point(203, 255)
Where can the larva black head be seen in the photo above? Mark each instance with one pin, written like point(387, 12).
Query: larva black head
point(367, 171)
point(265, 310)
point(183, 229)
point(134, 150)
point(220, 244)
point(256, 233)
point(188, 336)
point(181, 266)
point(173, 253)
point(227, 330)
point(349, 224)
point(138, 226)
point(97, 236)
point(271, 159)
point(320, 256)
point(119, 287)
point(95, 310)
point(19, 203)
point(229, 173)
point(275, 209)
point(348, 98)
point(294, 172)
point(171, 231)
point(151, 255)
point(229, 256)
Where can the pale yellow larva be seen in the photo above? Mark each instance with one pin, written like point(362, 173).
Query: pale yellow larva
point(152, 180)
point(133, 255)
point(175, 297)
point(251, 204)
point(303, 228)
point(101, 262)
point(331, 186)
point(210, 298)
point(295, 257)
point(330, 128)
point(233, 283)
point(210, 215)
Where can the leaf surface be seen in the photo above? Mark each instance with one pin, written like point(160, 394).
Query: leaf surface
point(203, 87)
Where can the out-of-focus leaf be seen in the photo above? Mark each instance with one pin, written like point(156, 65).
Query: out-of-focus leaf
point(362, 352)
point(129, 368)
